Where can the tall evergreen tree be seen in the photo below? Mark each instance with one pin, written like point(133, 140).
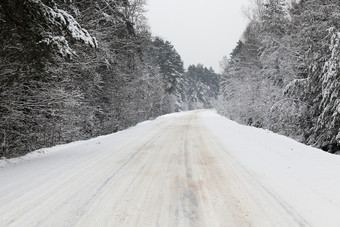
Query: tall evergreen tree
point(203, 86)
point(172, 71)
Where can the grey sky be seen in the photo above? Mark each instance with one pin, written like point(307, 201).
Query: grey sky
point(202, 31)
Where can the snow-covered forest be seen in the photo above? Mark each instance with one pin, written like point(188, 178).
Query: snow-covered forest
point(284, 73)
point(72, 70)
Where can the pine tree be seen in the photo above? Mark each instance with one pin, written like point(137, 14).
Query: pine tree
point(172, 71)
point(328, 123)
point(203, 86)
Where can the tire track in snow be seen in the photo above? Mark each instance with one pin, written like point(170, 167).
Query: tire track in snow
point(177, 174)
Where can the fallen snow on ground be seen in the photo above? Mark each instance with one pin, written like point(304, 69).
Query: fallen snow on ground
point(185, 169)
point(84, 147)
point(305, 179)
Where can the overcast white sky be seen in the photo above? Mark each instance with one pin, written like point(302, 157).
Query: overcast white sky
point(202, 31)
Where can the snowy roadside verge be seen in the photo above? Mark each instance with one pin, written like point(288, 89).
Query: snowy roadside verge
point(84, 147)
point(305, 179)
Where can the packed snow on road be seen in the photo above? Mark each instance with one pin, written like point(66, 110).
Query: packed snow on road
point(185, 169)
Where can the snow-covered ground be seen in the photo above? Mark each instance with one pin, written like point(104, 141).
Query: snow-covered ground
point(186, 169)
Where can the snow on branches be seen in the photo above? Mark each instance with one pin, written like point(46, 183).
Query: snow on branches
point(44, 26)
point(330, 103)
point(64, 24)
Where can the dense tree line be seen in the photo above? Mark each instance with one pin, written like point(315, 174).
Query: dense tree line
point(72, 70)
point(284, 73)
point(204, 85)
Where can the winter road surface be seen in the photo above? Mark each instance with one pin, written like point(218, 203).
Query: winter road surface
point(175, 171)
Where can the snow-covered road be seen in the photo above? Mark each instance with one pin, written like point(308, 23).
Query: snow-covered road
point(188, 169)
